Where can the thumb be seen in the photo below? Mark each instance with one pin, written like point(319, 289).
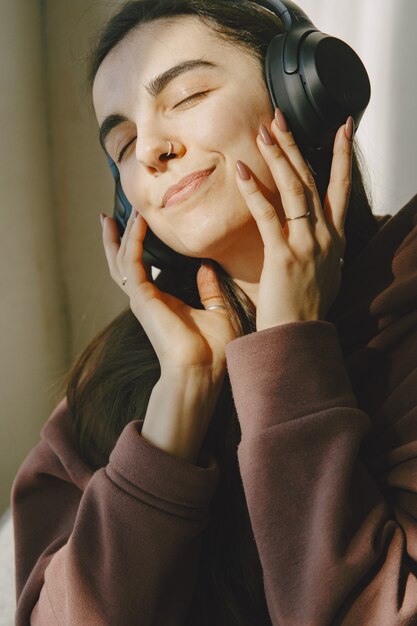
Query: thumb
point(208, 286)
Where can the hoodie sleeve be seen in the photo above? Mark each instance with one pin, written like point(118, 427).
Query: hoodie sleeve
point(336, 530)
point(115, 547)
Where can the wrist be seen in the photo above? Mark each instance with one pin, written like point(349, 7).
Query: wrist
point(179, 410)
point(198, 374)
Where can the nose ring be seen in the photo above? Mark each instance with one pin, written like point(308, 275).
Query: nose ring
point(170, 148)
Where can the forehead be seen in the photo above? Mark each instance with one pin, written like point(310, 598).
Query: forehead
point(150, 50)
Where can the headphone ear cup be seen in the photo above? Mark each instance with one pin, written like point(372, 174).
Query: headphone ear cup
point(287, 91)
point(334, 78)
point(317, 81)
point(329, 84)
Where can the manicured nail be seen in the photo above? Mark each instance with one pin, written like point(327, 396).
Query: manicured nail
point(265, 136)
point(281, 121)
point(243, 170)
point(350, 128)
point(102, 216)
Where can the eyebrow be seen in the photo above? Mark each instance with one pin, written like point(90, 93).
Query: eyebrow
point(154, 87)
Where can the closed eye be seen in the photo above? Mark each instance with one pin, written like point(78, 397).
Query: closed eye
point(194, 96)
point(123, 150)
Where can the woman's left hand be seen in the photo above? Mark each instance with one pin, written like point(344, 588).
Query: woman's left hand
point(301, 274)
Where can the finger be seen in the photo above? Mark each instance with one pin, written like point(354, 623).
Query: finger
point(287, 143)
point(336, 201)
point(122, 249)
point(136, 271)
point(111, 242)
point(147, 266)
point(208, 286)
point(263, 212)
point(291, 189)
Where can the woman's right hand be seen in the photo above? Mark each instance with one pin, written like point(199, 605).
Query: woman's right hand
point(183, 338)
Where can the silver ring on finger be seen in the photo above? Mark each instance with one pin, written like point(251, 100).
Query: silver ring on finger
point(124, 280)
point(298, 216)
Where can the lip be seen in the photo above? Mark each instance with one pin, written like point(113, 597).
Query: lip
point(175, 189)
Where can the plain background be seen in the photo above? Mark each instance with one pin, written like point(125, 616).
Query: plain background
point(56, 292)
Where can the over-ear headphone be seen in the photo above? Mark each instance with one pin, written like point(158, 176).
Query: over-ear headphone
point(316, 80)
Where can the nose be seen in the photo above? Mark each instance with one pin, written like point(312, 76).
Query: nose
point(154, 151)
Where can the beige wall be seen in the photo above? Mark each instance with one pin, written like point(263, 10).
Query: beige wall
point(33, 318)
point(56, 292)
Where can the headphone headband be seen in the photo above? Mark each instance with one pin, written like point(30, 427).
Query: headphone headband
point(290, 13)
point(296, 22)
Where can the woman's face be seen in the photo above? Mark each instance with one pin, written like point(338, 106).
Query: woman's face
point(209, 131)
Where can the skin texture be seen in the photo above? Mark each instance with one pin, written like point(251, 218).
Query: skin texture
point(290, 270)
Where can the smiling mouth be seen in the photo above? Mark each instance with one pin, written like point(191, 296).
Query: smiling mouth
point(187, 190)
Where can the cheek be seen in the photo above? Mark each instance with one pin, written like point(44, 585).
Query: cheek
point(230, 129)
point(223, 124)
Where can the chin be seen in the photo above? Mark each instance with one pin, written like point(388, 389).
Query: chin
point(204, 247)
point(208, 229)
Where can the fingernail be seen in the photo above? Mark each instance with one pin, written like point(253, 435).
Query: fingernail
point(243, 170)
point(350, 128)
point(205, 266)
point(102, 216)
point(281, 121)
point(265, 136)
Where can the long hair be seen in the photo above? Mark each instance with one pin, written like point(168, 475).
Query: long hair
point(110, 383)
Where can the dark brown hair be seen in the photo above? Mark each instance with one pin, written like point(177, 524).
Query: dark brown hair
point(110, 383)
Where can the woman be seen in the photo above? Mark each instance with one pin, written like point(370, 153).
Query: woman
point(150, 498)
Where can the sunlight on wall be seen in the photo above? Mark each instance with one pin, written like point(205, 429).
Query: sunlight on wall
point(377, 31)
